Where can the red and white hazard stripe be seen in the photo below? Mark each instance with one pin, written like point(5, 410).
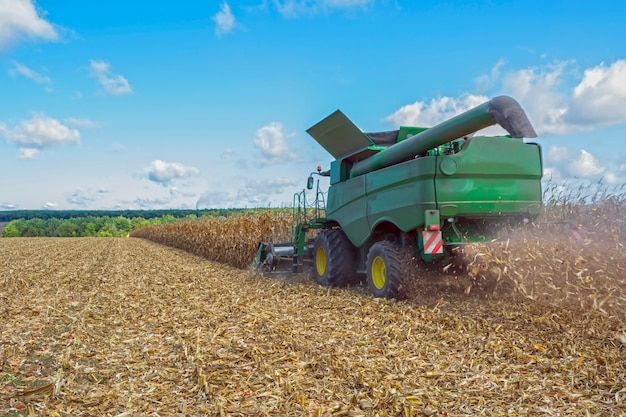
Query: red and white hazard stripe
point(433, 242)
point(576, 233)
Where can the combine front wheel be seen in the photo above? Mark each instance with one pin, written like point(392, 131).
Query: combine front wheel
point(384, 270)
point(333, 258)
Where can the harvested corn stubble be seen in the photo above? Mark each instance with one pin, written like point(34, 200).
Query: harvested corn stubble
point(108, 327)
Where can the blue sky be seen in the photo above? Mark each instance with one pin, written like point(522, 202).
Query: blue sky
point(152, 104)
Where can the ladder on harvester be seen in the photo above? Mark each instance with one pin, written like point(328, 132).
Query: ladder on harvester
point(306, 216)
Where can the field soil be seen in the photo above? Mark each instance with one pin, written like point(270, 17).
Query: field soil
point(127, 327)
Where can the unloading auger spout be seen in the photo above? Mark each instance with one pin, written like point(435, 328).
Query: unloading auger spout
point(502, 110)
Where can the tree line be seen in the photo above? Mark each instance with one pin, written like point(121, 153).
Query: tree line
point(9, 215)
point(103, 226)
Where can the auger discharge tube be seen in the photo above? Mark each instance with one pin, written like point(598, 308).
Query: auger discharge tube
point(502, 110)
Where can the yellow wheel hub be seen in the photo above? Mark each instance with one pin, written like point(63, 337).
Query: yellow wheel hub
point(320, 261)
point(379, 277)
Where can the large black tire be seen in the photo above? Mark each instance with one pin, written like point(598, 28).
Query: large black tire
point(385, 270)
point(334, 259)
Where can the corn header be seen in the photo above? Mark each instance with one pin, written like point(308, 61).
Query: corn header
point(426, 190)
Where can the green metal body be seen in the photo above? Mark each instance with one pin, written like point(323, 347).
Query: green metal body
point(492, 179)
point(475, 185)
point(403, 184)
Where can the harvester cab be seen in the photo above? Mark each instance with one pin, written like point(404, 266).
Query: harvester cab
point(416, 189)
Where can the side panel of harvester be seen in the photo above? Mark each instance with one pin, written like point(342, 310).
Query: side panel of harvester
point(347, 201)
point(399, 194)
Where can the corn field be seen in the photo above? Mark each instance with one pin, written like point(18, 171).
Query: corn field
point(538, 262)
point(229, 240)
point(530, 324)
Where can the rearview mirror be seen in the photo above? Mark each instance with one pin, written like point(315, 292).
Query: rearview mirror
point(309, 183)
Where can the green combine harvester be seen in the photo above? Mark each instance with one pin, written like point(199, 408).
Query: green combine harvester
point(425, 190)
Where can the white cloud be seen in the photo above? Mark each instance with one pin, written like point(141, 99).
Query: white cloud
point(345, 3)
point(224, 20)
point(600, 97)
point(295, 8)
point(28, 153)
point(82, 198)
point(147, 203)
point(421, 113)
point(228, 153)
point(555, 97)
point(38, 133)
point(271, 141)
point(81, 122)
point(541, 93)
point(281, 182)
point(112, 84)
point(562, 162)
point(22, 70)
point(175, 192)
point(117, 147)
point(216, 199)
point(558, 98)
point(486, 81)
point(164, 173)
point(250, 193)
point(268, 186)
point(20, 19)
point(558, 101)
point(585, 165)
